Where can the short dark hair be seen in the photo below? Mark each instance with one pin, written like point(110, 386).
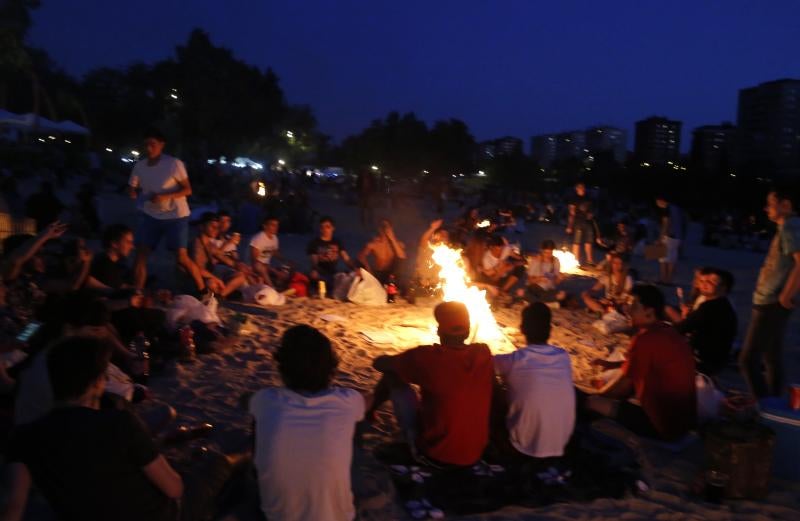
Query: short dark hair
point(223, 213)
point(650, 297)
point(75, 363)
point(536, 323)
point(547, 244)
point(114, 233)
point(327, 219)
point(726, 278)
point(306, 359)
point(208, 217)
point(155, 133)
point(785, 193)
point(269, 218)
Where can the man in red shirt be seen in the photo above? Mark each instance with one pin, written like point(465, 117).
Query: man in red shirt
point(659, 372)
point(450, 423)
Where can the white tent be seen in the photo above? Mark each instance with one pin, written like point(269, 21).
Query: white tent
point(30, 122)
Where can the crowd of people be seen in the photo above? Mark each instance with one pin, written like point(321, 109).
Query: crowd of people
point(81, 412)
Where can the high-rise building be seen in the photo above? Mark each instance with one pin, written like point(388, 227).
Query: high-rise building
point(658, 141)
point(504, 146)
point(605, 139)
point(543, 149)
point(769, 128)
point(570, 144)
point(714, 148)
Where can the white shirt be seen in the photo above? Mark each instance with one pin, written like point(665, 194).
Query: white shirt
point(549, 270)
point(304, 449)
point(266, 246)
point(541, 396)
point(161, 178)
point(612, 292)
point(490, 261)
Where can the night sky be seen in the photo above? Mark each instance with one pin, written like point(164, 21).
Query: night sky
point(504, 67)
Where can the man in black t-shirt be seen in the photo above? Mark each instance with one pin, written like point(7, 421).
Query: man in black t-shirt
point(580, 224)
point(325, 252)
point(109, 270)
point(711, 326)
point(90, 464)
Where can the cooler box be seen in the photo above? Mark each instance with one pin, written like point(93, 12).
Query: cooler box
point(776, 414)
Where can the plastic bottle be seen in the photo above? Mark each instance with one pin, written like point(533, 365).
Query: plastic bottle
point(391, 290)
point(321, 289)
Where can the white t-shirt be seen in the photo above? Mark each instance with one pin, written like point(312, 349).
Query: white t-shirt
point(304, 449)
point(161, 178)
point(613, 292)
point(541, 396)
point(266, 246)
point(549, 270)
point(490, 261)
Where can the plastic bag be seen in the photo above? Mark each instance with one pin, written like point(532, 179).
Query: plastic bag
point(342, 282)
point(709, 399)
point(612, 322)
point(185, 308)
point(366, 290)
point(119, 383)
point(263, 295)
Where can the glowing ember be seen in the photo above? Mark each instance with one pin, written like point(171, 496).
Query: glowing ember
point(569, 264)
point(484, 223)
point(455, 285)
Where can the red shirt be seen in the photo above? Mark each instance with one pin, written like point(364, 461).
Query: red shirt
point(456, 385)
point(661, 366)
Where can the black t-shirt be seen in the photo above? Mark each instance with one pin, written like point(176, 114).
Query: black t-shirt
point(583, 209)
point(711, 329)
point(327, 253)
point(112, 274)
point(88, 464)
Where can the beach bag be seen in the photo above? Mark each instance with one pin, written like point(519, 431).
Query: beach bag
point(612, 322)
point(185, 309)
point(263, 295)
point(366, 290)
point(709, 399)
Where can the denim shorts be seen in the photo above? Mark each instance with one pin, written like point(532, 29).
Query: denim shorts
point(150, 231)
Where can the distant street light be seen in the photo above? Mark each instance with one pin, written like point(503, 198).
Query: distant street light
point(374, 167)
point(289, 134)
point(281, 162)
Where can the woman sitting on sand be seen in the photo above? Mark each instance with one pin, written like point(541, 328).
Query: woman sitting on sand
point(616, 287)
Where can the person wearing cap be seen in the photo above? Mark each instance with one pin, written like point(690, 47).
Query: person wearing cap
point(448, 424)
point(161, 184)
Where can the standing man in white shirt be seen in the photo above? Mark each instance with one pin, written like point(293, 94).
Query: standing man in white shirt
point(162, 185)
point(541, 393)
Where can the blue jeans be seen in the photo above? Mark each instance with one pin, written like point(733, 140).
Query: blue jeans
point(150, 231)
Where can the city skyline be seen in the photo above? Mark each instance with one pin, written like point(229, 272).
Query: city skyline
point(508, 68)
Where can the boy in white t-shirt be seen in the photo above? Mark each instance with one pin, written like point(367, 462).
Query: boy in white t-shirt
point(161, 185)
point(544, 276)
point(263, 247)
point(540, 392)
point(304, 433)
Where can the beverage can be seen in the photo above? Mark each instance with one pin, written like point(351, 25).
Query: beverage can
point(321, 289)
point(794, 397)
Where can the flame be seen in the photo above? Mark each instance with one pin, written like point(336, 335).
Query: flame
point(568, 262)
point(455, 285)
point(262, 189)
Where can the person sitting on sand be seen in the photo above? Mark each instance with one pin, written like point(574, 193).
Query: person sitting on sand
point(426, 274)
point(71, 453)
point(616, 286)
point(659, 372)
point(450, 424)
point(540, 391)
point(325, 252)
point(265, 246)
point(501, 266)
point(387, 251)
point(685, 305)
point(712, 326)
point(304, 433)
point(544, 276)
point(206, 255)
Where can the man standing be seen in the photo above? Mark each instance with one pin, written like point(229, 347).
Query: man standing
point(580, 224)
point(671, 233)
point(773, 300)
point(164, 186)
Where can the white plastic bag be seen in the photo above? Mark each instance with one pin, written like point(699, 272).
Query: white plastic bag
point(263, 295)
point(612, 322)
point(342, 282)
point(709, 399)
point(185, 309)
point(366, 290)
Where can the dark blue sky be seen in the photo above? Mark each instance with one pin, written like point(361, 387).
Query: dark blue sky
point(505, 67)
